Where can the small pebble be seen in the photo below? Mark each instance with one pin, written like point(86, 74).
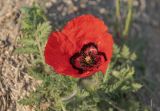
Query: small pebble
point(48, 4)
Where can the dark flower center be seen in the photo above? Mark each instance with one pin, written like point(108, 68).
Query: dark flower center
point(88, 58)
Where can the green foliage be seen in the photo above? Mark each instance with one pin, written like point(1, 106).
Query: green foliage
point(114, 91)
point(51, 90)
point(35, 29)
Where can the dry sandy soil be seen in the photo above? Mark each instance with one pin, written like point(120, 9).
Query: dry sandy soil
point(15, 83)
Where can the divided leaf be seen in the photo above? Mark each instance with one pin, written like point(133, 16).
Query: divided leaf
point(43, 30)
point(125, 51)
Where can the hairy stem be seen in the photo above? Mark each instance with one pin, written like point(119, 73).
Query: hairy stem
point(62, 106)
point(70, 96)
point(106, 76)
point(39, 48)
point(118, 17)
point(128, 19)
point(118, 9)
point(113, 104)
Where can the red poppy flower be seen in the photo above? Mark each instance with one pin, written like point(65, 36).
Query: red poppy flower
point(81, 48)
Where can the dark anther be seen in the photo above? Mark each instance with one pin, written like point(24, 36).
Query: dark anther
point(86, 59)
point(88, 45)
point(72, 62)
point(103, 54)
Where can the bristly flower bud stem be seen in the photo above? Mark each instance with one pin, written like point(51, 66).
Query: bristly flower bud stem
point(128, 19)
point(39, 48)
point(67, 98)
point(62, 106)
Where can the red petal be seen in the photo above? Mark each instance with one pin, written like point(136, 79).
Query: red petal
point(83, 27)
point(78, 32)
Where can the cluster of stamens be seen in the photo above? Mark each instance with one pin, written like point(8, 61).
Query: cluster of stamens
point(88, 58)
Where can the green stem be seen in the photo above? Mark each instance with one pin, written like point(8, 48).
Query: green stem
point(106, 76)
point(63, 108)
point(118, 9)
point(128, 19)
point(39, 48)
point(115, 106)
point(70, 96)
point(118, 16)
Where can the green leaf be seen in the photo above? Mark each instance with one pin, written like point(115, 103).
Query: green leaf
point(43, 30)
point(26, 25)
point(25, 10)
point(111, 88)
point(110, 109)
point(116, 49)
point(116, 74)
point(27, 41)
point(34, 73)
point(26, 50)
point(136, 86)
point(27, 101)
point(125, 88)
point(130, 72)
point(133, 56)
point(125, 51)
